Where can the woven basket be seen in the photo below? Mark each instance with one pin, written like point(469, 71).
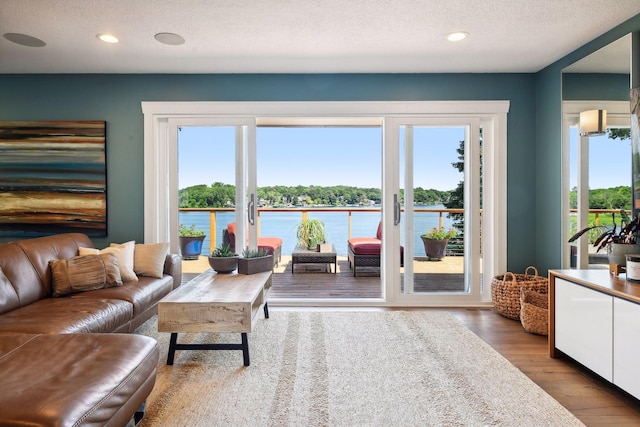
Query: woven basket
point(534, 312)
point(505, 290)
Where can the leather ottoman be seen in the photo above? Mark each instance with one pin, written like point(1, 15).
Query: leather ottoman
point(75, 379)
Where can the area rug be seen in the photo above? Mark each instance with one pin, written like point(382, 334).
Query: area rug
point(348, 368)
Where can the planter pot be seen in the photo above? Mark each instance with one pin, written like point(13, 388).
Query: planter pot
point(617, 253)
point(191, 247)
point(224, 265)
point(436, 249)
point(255, 265)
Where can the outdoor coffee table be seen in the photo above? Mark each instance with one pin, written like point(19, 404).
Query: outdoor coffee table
point(214, 302)
point(302, 255)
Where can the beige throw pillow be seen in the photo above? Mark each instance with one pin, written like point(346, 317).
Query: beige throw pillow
point(148, 259)
point(84, 273)
point(126, 259)
point(124, 253)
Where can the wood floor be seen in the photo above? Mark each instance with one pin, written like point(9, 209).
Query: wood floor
point(590, 398)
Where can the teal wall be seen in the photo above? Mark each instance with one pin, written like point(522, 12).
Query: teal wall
point(534, 128)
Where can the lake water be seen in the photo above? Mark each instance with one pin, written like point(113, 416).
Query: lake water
point(283, 225)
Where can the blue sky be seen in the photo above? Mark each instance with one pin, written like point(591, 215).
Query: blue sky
point(609, 161)
point(315, 156)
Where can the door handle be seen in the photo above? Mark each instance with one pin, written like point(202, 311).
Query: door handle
point(396, 210)
point(251, 213)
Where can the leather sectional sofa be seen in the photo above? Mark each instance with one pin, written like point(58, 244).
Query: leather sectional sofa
point(60, 362)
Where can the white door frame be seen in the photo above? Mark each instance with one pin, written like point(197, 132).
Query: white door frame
point(160, 172)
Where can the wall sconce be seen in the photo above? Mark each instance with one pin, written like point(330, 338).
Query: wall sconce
point(593, 122)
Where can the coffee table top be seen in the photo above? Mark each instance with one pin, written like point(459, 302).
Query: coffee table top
point(213, 287)
point(299, 250)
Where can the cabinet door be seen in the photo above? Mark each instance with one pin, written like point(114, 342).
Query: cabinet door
point(584, 326)
point(626, 344)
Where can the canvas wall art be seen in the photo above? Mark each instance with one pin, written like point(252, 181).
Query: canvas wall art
point(53, 178)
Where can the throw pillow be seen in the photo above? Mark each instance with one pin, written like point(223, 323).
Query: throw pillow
point(148, 259)
point(123, 252)
point(126, 260)
point(84, 273)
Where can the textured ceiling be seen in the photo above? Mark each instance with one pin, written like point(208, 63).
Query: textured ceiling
point(302, 36)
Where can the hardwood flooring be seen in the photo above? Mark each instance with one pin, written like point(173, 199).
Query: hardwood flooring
point(593, 400)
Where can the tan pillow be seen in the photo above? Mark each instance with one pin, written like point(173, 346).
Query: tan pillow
point(148, 259)
point(126, 259)
point(84, 273)
point(123, 252)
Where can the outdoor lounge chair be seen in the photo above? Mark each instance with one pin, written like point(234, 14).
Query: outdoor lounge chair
point(271, 244)
point(365, 251)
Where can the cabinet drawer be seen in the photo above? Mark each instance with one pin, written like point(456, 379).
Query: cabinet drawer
point(626, 346)
point(584, 326)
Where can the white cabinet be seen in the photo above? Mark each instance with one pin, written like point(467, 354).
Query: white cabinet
point(626, 344)
point(584, 326)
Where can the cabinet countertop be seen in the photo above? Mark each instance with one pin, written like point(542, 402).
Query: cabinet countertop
point(603, 281)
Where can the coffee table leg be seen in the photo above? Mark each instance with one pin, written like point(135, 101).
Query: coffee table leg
point(245, 348)
point(172, 348)
point(266, 310)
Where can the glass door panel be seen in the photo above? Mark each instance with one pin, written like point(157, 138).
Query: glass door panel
point(432, 198)
point(212, 185)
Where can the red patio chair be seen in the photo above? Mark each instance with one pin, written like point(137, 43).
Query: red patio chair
point(271, 244)
point(365, 251)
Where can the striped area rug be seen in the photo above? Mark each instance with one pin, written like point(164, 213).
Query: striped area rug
point(348, 368)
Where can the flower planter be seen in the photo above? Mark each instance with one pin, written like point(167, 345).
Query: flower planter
point(255, 265)
point(436, 249)
point(190, 246)
point(224, 265)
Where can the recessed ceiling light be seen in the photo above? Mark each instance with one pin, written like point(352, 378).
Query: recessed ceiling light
point(170, 38)
point(24, 40)
point(457, 36)
point(107, 38)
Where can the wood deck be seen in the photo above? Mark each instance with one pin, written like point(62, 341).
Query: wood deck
point(312, 281)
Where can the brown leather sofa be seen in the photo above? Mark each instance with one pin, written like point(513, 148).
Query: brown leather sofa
point(59, 363)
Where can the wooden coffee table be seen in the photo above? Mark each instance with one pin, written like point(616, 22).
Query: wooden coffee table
point(214, 303)
point(302, 255)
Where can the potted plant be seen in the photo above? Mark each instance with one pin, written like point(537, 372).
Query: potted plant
point(223, 260)
point(618, 241)
point(310, 233)
point(255, 261)
point(190, 241)
point(436, 241)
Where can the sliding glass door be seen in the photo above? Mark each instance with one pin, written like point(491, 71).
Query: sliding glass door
point(437, 208)
point(409, 144)
point(215, 170)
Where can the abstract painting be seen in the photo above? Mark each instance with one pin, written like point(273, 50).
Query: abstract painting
point(53, 178)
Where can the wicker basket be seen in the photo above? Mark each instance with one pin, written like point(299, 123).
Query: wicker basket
point(534, 313)
point(505, 290)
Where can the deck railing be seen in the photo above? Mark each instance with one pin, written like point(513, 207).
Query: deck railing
point(600, 212)
point(304, 211)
